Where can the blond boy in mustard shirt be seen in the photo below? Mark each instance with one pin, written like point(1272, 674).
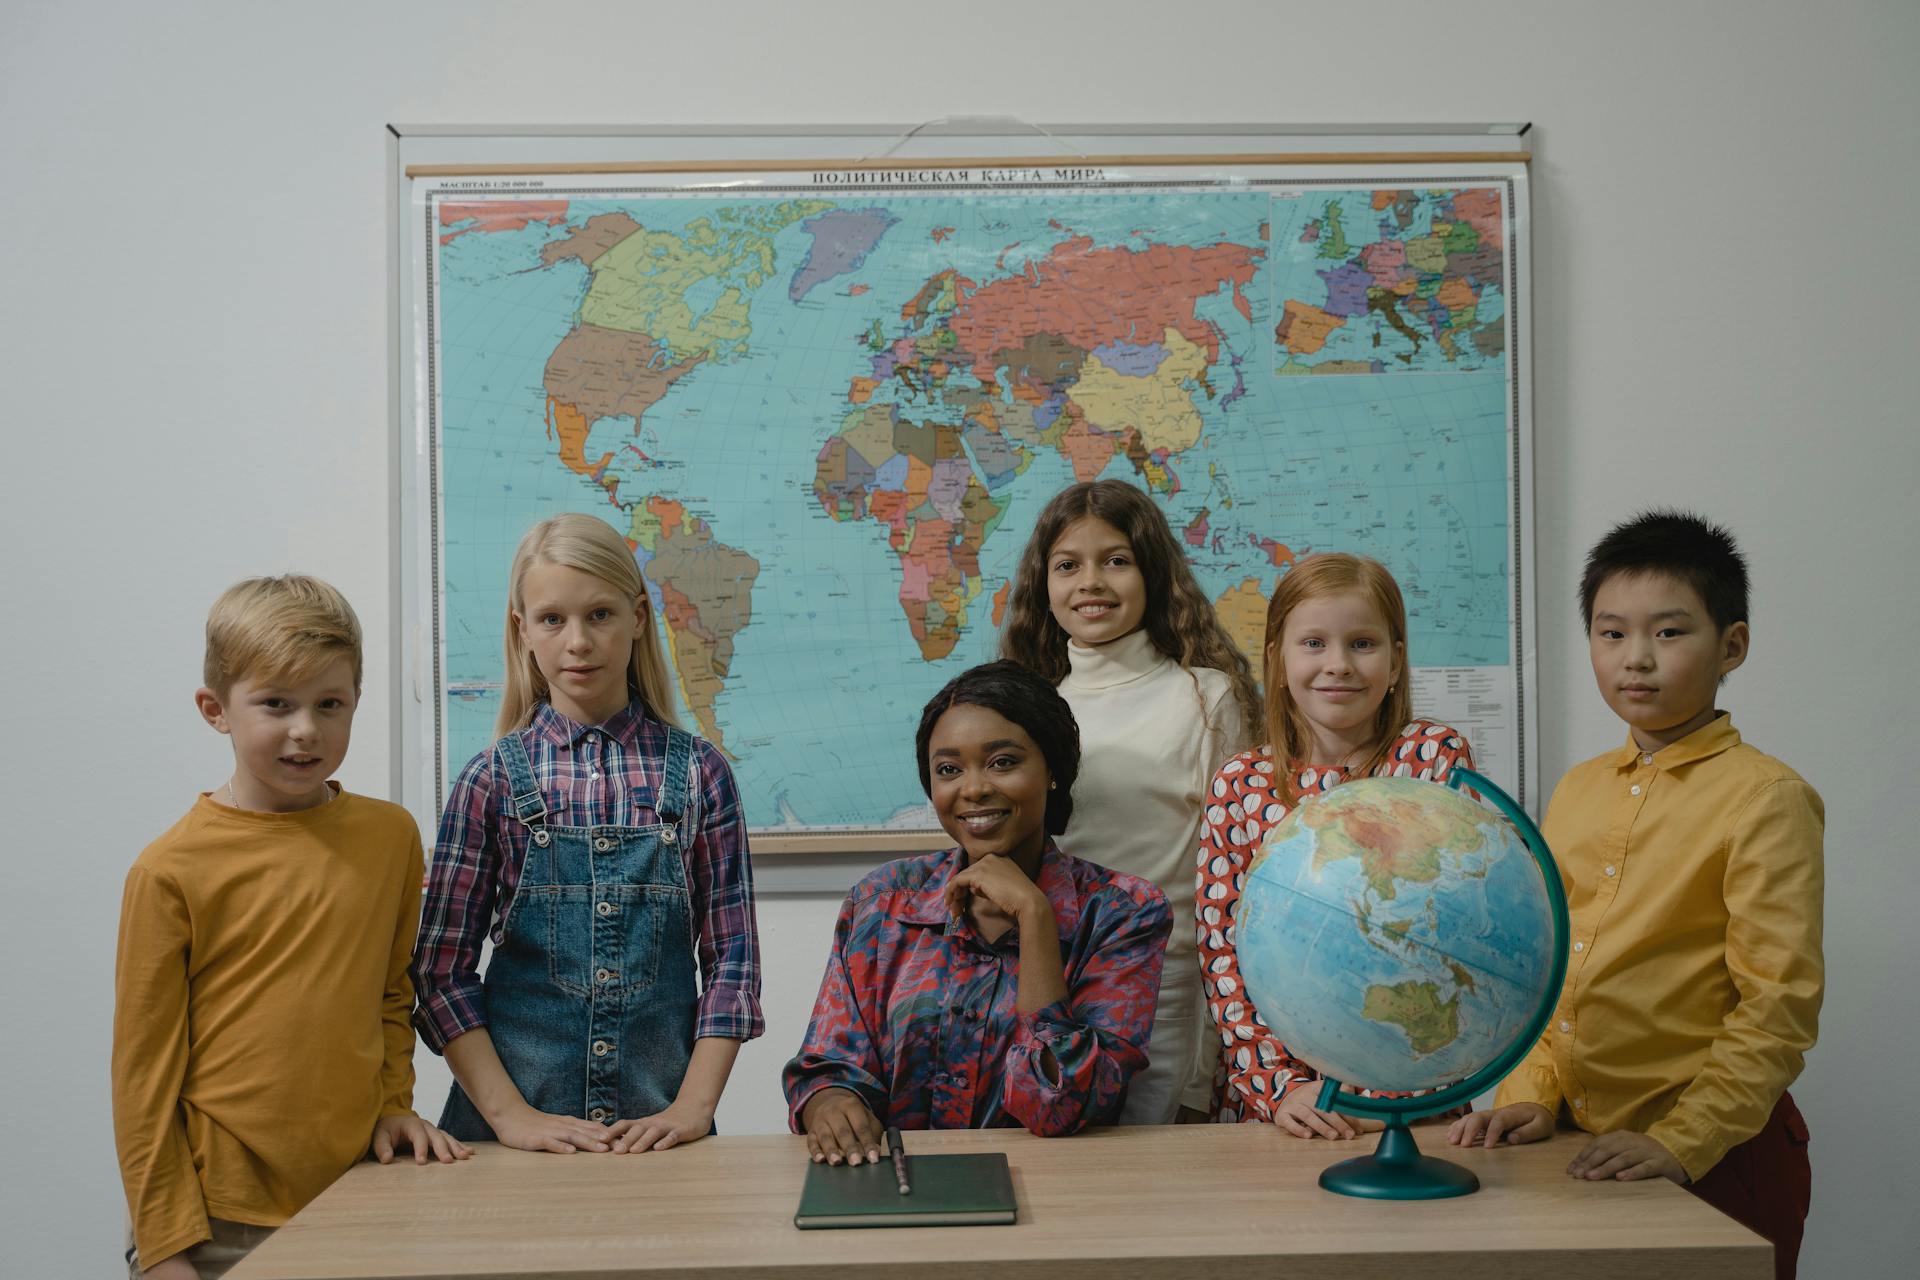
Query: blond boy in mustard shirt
point(1693, 870)
point(261, 1042)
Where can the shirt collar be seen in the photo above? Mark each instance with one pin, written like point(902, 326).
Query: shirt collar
point(1710, 739)
point(928, 906)
point(563, 731)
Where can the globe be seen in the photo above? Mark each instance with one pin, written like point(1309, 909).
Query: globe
point(1398, 935)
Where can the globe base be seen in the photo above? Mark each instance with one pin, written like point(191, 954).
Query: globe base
point(1397, 1171)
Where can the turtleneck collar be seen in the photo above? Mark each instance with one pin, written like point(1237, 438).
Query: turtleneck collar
point(1115, 663)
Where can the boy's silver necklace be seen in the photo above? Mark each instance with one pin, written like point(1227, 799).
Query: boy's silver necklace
point(231, 800)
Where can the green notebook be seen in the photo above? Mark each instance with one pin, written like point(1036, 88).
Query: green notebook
point(948, 1191)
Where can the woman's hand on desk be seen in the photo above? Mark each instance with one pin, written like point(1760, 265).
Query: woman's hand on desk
point(680, 1122)
point(531, 1130)
point(841, 1128)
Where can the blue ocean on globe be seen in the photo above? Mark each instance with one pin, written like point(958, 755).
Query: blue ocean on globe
point(1395, 934)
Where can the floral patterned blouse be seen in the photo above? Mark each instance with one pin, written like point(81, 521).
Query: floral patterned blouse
point(917, 1014)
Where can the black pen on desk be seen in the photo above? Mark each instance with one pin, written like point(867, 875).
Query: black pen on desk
point(899, 1150)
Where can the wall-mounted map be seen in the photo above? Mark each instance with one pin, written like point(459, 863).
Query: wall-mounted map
point(825, 409)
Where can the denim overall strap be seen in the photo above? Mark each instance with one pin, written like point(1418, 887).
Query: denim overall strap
point(528, 805)
point(678, 804)
point(675, 796)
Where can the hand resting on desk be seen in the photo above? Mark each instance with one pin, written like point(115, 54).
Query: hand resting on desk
point(840, 1127)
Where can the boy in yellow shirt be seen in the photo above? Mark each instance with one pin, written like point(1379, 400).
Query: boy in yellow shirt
point(261, 1042)
point(1693, 870)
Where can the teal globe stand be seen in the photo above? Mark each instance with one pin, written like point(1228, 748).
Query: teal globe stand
point(1397, 1170)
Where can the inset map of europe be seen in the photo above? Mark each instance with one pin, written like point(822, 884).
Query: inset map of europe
point(827, 420)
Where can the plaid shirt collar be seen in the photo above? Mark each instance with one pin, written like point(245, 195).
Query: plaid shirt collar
point(566, 733)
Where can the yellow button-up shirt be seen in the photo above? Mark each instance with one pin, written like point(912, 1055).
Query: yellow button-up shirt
point(1694, 975)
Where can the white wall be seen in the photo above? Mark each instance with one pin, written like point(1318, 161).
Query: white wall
point(192, 338)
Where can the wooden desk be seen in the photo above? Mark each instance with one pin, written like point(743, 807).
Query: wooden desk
point(1178, 1201)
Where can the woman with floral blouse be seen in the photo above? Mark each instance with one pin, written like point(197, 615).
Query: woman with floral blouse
point(999, 983)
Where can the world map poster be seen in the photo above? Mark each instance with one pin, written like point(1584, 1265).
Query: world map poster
point(825, 408)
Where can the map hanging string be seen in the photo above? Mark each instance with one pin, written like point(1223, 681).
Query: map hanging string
point(972, 121)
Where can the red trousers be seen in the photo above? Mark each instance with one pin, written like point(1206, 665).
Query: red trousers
point(1766, 1183)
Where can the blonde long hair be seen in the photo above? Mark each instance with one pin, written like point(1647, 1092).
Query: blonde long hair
point(1332, 573)
point(1180, 621)
point(592, 546)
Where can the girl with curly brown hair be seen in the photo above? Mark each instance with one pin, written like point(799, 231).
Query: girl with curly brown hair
point(1105, 606)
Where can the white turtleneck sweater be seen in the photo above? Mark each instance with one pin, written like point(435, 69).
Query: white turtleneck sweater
point(1152, 734)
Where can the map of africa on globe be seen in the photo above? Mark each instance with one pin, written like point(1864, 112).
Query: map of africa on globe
point(1395, 934)
point(825, 420)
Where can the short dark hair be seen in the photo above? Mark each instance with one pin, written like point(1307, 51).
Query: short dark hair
point(1680, 545)
point(1016, 694)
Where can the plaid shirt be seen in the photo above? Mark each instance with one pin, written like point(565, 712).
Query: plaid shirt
point(588, 775)
point(917, 1013)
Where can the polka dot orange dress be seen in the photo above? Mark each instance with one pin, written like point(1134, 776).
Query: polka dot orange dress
point(1245, 801)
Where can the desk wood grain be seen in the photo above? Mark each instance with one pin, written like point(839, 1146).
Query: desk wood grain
point(1113, 1203)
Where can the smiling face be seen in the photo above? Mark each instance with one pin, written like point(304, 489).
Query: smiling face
point(289, 735)
point(988, 782)
point(1340, 659)
point(1657, 656)
point(1094, 586)
point(580, 631)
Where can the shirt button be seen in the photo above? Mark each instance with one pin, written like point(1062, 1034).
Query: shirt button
point(1566, 1026)
point(603, 975)
point(1579, 946)
point(1579, 1104)
point(595, 775)
point(601, 1114)
point(604, 908)
point(1634, 789)
point(1611, 870)
point(601, 1048)
point(1647, 758)
point(603, 844)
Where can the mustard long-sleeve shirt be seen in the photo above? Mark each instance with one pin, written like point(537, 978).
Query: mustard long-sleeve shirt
point(1694, 880)
point(261, 1009)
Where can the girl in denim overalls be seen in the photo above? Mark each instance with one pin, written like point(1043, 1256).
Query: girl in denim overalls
point(602, 849)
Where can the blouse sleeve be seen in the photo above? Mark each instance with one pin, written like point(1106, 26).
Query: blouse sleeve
point(840, 1050)
point(1259, 1070)
point(1098, 1034)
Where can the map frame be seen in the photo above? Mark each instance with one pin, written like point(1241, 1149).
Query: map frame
point(421, 768)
